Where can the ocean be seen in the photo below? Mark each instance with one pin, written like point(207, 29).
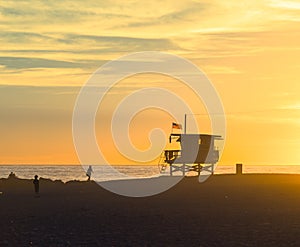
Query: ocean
point(103, 173)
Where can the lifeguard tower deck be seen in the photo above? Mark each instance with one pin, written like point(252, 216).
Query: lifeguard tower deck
point(198, 152)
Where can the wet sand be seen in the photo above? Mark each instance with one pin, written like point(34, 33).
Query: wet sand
point(226, 210)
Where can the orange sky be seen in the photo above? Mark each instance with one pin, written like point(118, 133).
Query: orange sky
point(248, 49)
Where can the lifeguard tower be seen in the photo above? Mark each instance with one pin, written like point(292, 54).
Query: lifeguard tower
point(197, 153)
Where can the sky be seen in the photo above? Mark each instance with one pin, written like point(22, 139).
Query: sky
point(249, 50)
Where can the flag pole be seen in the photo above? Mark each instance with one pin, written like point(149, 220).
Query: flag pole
point(184, 123)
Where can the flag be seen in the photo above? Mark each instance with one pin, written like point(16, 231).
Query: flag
point(176, 126)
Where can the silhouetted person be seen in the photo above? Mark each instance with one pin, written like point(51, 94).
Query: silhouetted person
point(36, 183)
point(89, 173)
point(12, 175)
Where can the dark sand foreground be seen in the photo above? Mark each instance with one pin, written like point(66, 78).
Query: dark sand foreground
point(227, 210)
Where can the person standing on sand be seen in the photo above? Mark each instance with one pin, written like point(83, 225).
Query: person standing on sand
point(12, 175)
point(36, 183)
point(89, 173)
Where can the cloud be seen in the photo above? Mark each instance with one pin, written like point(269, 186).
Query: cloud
point(29, 63)
point(221, 70)
point(29, 38)
point(291, 107)
point(185, 14)
point(81, 43)
point(12, 11)
point(44, 12)
point(290, 5)
point(56, 12)
point(121, 42)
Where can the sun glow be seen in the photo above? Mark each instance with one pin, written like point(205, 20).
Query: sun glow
point(249, 50)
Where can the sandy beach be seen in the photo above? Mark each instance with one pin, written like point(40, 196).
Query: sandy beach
point(226, 210)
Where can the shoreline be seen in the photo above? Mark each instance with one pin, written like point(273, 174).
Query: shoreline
point(69, 173)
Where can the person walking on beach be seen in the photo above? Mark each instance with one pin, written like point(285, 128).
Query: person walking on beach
point(89, 173)
point(36, 183)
